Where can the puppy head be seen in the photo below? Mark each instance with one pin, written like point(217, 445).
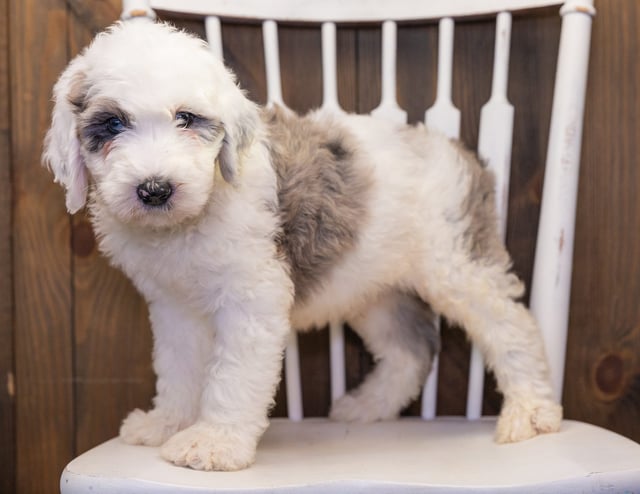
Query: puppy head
point(144, 115)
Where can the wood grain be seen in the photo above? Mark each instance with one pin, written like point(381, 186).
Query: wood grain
point(7, 373)
point(42, 271)
point(112, 339)
point(602, 383)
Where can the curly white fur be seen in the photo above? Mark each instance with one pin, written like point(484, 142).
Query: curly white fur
point(210, 260)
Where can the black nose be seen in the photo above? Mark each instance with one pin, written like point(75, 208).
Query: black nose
point(154, 192)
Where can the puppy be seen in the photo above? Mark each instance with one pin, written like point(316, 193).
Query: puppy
point(237, 224)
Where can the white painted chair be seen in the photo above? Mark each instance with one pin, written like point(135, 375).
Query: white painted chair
point(453, 454)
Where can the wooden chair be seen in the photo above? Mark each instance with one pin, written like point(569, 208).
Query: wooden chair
point(427, 454)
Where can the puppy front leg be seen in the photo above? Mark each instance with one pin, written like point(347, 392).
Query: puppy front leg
point(237, 394)
point(182, 345)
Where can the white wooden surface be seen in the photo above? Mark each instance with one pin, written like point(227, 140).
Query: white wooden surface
point(346, 10)
point(409, 456)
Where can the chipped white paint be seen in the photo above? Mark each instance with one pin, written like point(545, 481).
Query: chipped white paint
point(136, 9)
point(551, 285)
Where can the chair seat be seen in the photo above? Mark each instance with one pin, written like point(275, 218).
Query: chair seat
point(407, 455)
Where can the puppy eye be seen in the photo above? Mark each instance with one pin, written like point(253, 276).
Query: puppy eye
point(115, 125)
point(185, 119)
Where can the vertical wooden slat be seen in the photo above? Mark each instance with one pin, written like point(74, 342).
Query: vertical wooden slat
point(337, 356)
point(7, 371)
point(274, 95)
point(551, 283)
point(292, 378)
point(494, 148)
point(272, 62)
point(330, 103)
point(366, 64)
point(43, 321)
point(470, 90)
point(496, 121)
point(388, 107)
point(443, 115)
point(213, 30)
point(329, 68)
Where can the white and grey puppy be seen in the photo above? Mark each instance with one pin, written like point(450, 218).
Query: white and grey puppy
point(237, 224)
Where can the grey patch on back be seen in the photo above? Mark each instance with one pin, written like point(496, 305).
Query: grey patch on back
point(322, 194)
point(478, 206)
point(482, 235)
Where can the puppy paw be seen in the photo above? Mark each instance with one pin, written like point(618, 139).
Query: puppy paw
point(209, 447)
point(151, 428)
point(520, 420)
point(360, 408)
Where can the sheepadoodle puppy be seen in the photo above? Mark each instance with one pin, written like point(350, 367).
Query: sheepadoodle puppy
point(238, 223)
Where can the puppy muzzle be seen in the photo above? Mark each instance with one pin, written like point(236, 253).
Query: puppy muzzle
point(154, 192)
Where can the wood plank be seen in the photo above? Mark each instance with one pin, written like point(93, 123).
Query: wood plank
point(43, 324)
point(602, 383)
point(7, 379)
point(301, 67)
point(112, 344)
point(416, 69)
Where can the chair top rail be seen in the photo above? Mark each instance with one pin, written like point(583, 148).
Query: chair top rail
point(346, 11)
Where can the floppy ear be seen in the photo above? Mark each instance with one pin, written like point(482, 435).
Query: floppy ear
point(62, 146)
point(239, 131)
point(240, 120)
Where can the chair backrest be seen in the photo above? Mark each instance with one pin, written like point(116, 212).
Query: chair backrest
point(551, 283)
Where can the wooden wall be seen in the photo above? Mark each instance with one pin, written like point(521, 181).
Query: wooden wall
point(74, 341)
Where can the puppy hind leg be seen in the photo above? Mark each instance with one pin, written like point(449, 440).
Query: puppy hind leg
point(480, 297)
point(400, 331)
point(181, 347)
